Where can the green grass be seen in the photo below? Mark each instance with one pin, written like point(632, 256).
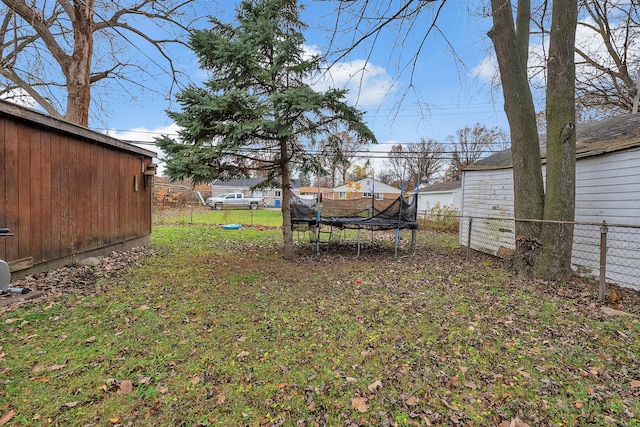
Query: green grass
point(199, 215)
point(217, 329)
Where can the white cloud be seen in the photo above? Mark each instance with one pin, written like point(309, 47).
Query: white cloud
point(486, 70)
point(367, 84)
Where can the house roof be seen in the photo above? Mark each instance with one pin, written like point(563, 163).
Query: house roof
point(592, 139)
point(441, 186)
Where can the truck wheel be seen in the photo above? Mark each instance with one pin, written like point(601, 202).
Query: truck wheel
point(253, 206)
point(218, 206)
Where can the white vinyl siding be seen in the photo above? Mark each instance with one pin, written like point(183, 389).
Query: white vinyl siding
point(607, 189)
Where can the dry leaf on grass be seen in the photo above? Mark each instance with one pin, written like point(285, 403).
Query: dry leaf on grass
point(360, 403)
point(7, 417)
point(376, 385)
point(126, 387)
point(411, 401)
point(56, 367)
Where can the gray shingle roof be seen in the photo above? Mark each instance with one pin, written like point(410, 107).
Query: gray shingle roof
point(592, 139)
point(441, 186)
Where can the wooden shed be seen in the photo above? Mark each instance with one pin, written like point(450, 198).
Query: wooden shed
point(607, 189)
point(67, 193)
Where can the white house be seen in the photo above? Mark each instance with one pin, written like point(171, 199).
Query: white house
point(443, 195)
point(607, 189)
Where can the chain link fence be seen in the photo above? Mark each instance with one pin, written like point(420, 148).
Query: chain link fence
point(609, 253)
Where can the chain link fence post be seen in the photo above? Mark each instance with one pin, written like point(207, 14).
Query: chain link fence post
point(469, 240)
point(603, 260)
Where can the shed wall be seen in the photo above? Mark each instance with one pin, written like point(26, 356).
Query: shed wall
point(64, 195)
point(607, 189)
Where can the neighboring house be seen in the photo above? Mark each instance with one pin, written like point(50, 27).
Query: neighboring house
point(67, 193)
point(311, 192)
point(362, 189)
point(272, 196)
point(607, 189)
point(443, 195)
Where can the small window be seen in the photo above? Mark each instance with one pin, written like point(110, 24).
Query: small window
point(342, 195)
point(379, 196)
point(366, 195)
point(265, 193)
point(278, 193)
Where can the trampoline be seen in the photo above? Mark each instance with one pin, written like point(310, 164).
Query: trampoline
point(359, 214)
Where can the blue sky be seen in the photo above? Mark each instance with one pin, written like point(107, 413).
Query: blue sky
point(447, 89)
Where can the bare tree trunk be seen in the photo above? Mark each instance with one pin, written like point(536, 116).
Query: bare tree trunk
point(555, 259)
point(520, 111)
point(287, 232)
point(78, 71)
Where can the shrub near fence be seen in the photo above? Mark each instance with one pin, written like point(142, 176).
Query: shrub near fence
point(439, 217)
point(606, 252)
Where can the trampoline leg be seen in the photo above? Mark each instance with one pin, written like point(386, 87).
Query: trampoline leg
point(395, 252)
point(358, 256)
point(413, 241)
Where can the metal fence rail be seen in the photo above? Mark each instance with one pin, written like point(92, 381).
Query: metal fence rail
point(606, 252)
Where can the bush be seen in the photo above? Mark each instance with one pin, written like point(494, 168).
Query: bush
point(441, 218)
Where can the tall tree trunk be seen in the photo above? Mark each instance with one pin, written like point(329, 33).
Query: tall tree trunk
point(520, 111)
point(557, 238)
point(287, 232)
point(78, 69)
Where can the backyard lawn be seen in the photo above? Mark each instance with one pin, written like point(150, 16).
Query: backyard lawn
point(211, 327)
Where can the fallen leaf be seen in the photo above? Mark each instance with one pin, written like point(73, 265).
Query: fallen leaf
point(360, 403)
point(241, 338)
point(350, 380)
point(242, 355)
point(517, 422)
point(635, 383)
point(411, 401)
point(56, 367)
point(471, 385)
point(376, 385)
point(221, 399)
point(114, 420)
point(578, 405)
point(71, 404)
point(195, 380)
point(126, 387)
point(145, 380)
point(7, 417)
point(91, 339)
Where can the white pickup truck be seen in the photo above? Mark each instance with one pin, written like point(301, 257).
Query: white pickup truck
point(234, 201)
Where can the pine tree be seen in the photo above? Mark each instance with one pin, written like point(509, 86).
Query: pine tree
point(256, 111)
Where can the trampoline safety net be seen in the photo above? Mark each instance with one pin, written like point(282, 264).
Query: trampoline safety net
point(357, 213)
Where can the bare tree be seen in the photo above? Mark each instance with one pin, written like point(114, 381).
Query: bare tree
point(608, 56)
point(413, 163)
point(609, 70)
point(56, 51)
point(471, 144)
point(338, 153)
